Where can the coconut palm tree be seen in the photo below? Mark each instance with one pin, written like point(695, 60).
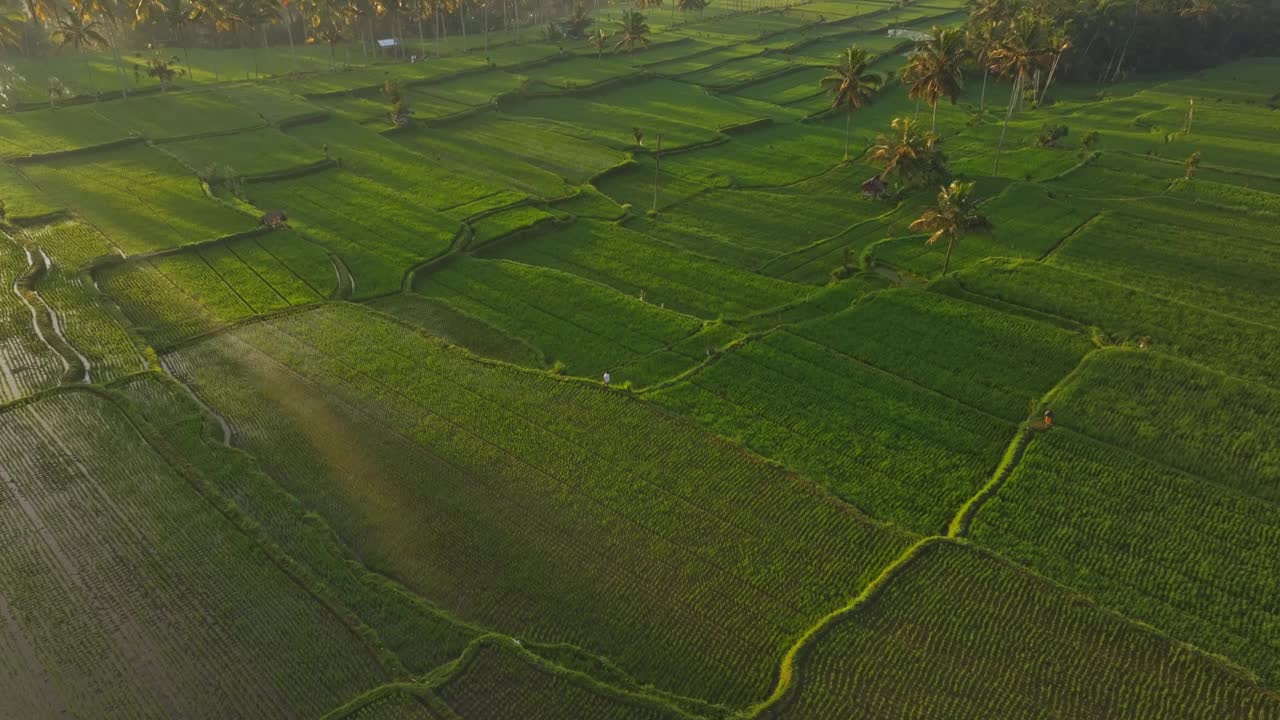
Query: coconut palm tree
point(327, 20)
point(851, 85)
point(686, 6)
point(1059, 43)
point(632, 31)
point(104, 13)
point(936, 69)
point(162, 68)
point(80, 31)
point(598, 40)
point(10, 26)
point(907, 156)
point(983, 36)
point(1020, 53)
point(10, 33)
point(575, 26)
point(954, 216)
point(175, 14)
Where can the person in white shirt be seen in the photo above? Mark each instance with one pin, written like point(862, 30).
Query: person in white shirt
point(606, 378)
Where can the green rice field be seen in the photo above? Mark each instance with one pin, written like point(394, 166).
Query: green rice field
point(504, 372)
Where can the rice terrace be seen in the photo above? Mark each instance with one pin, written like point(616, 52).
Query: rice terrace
point(683, 360)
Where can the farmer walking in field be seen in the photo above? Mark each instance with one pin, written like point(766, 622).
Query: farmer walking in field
point(1048, 419)
point(606, 377)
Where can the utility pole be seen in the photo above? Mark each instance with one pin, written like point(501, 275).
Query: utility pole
point(657, 164)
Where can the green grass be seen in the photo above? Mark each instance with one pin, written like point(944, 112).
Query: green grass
point(798, 84)
point(43, 131)
point(272, 103)
point(1213, 260)
point(141, 199)
point(21, 198)
point(27, 364)
point(533, 157)
point(466, 468)
point(751, 159)
point(940, 633)
point(583, 72)
point(1204, 423)
point(635, 265)
point(681, 356)
point(505, 223)
point(246, 153)
point(378, 231)
point(870, 435)
point(405, 628)
point(1153, 543)
point(82, 316)
point(1028, 221)
point(496, 678)
point(586, 327)
point(997, 363)
point(174, 296)
point(472, 90)
point(132, 590)
point(682, 114)
point(157, 117)
point(378, 158)
point(750, 228)
point(1128, 314)
point(439, 318)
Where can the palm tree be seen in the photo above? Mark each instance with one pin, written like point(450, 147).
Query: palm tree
point(954, 216)
point(851, 85)
point(162, 68)
point(10, 81)
point(983, 36)
point(936, 69)
point(577, 23)
point(326, 19)
point(1018, 56)
point(632, 31)
point(907, 155)
point(10, 33)
point(599, 40)
point(176, 14)
point(76, 29)
point(695, 5)
point(1058, 44)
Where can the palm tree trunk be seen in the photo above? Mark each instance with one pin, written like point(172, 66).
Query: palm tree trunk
point(124, 81)
point(186, 53)
point(288, 27)
point(982, 101)
point(266, 46)
point(88, 66)
point(1017, 85)
point(486, 28)
point(848, 115)
point(917, 115)
point(933, 128)
point(462, 18)
point(1052, 69)
point(946, 262)
point(1133, 27)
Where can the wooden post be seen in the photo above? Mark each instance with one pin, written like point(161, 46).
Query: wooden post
point(657, 164)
